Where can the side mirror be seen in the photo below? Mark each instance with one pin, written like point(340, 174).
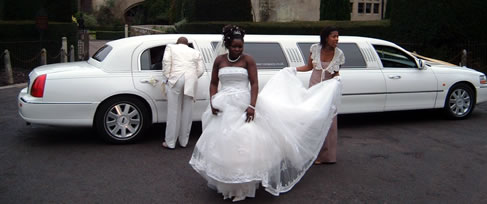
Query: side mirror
point(421, 64)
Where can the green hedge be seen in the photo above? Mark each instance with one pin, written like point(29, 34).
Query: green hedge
point(439, 21)
point(109, 35)
point(219, 10)
point(335, 10)
point(362, 28)
point(27, 30)
point(23, 40)
point(56, 10)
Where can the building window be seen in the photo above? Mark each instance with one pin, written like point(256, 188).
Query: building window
point(360, 8)
point(376, 8)
point(368, 7)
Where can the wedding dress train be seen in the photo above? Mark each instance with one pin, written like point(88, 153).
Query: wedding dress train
point(275, 149)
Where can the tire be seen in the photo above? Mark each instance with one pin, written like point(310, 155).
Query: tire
point(460, 102)
point(122, 120)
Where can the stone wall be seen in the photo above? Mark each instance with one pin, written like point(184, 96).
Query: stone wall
point(285, 10)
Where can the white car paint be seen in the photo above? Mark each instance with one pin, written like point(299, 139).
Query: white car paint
point(74, 91)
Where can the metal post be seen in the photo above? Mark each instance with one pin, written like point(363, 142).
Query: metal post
point(43, 56)
point(8, 67)
point(126, 30)
point(463, 62)
point(71, 53)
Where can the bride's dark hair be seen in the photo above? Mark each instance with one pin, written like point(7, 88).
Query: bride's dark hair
point(231, 32)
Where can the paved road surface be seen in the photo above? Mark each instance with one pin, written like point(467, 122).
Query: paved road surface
point(401, 157)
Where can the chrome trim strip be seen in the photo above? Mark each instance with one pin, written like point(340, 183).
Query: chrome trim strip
point(55, 103)
point(379, 93)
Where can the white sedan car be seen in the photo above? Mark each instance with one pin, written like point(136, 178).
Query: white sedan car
point(118, 90)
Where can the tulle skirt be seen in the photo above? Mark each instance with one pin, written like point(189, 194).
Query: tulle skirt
point(275, 149)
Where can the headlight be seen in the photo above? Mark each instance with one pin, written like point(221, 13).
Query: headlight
point(483, 80)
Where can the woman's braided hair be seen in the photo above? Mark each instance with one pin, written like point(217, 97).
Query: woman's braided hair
point(232, 32)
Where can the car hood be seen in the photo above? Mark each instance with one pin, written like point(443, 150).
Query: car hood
point(446, 67)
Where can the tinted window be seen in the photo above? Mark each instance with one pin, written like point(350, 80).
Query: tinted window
point(353, 56)
point(393, 57)
point(151, 59)
point(102, 53)
point(266, 55)
point(214, 44)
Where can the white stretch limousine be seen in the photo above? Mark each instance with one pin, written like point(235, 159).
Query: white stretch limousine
point(118, 90)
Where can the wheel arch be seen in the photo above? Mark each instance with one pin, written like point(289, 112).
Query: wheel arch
point(121, 95)
point(467, 83)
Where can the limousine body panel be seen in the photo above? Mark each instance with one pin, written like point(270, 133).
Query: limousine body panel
point(126, 75)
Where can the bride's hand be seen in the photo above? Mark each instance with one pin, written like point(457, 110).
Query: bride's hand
point(214, 111)
point(250, 114)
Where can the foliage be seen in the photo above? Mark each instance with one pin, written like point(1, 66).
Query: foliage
point(439, 21)
point(221, 10)
point(56, 10)
point(105, 16)
point(335, 10)
point(109, 35)
point(388, 10)
point(180, 9)
point(157, 11)
point(90, 19)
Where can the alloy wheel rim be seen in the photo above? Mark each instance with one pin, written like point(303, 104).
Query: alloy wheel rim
point(123, 121)
point(459, 102)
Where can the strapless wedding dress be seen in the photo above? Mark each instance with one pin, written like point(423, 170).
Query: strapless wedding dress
point(275, 149)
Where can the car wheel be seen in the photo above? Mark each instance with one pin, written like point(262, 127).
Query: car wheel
point(460, 102)
point(122, 120)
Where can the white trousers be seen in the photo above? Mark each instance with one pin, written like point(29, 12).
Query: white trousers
point(179, 114)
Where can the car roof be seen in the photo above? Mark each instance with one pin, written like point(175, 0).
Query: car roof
point(249, 37)
point(118, 59)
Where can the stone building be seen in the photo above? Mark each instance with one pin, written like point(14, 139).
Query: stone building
point(366, 10)
point(270, 10)
point(285, 10)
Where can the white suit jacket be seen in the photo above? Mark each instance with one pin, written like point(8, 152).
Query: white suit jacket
point(179, 60)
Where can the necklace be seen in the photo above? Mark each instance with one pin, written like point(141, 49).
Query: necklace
point(232, 61)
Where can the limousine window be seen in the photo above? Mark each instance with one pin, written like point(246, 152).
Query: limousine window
point(353, 56)
point(393, 57)
point(102, 53)
point(267, 55)
point(151, 59)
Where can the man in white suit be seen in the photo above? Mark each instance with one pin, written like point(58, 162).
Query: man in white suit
point(182, 66)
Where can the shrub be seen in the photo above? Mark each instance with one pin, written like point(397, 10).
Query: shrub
point(335, 10)
point(221, 10)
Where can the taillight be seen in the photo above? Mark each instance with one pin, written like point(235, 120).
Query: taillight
point(38, 86)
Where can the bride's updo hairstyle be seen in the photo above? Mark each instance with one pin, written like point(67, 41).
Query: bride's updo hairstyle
point(232, 32)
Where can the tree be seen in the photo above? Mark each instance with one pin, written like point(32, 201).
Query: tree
point(335, 10)
point(221, 10)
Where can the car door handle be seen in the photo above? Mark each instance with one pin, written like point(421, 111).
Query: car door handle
point(394, 77)
point(151, 81)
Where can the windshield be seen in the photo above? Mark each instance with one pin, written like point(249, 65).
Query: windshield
point(102, 53)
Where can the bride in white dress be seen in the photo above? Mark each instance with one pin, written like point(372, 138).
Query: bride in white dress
point(271, 141)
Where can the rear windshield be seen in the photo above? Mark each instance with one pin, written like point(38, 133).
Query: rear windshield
point(102, 53)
